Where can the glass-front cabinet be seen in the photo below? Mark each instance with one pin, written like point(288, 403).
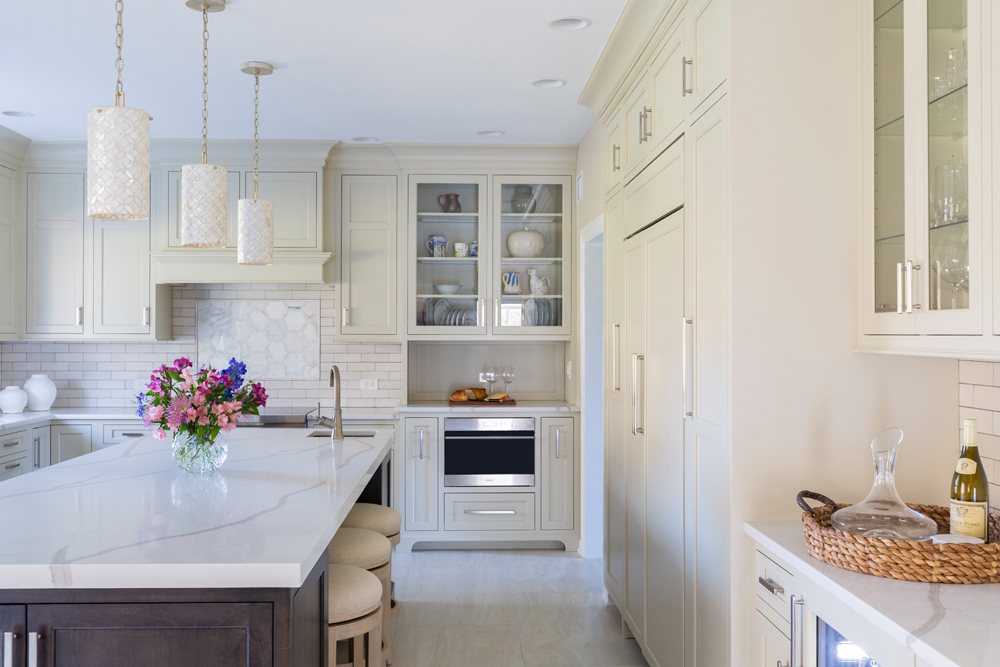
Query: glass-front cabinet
point(923, 213)
point(488, 263)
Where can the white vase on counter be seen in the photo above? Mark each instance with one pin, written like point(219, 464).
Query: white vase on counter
point(41, 392)
point(12, 400)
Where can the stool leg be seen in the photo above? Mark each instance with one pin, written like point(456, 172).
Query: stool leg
point(375, 657)
point(386, 620)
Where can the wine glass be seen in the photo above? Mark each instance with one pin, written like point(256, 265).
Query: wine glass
point(508, 376)
point(952, 262)
point(490, 375)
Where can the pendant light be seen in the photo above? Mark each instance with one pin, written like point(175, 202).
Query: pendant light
point(256, 216)
point(203, 186)
point(118, 154)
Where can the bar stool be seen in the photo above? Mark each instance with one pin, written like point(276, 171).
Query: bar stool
point(380, 519)
point(355, 609)
point(370, 551)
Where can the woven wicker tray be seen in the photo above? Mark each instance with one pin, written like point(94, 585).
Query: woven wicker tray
point(899, 559)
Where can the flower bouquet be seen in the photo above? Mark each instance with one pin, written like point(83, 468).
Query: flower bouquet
point(197, 407)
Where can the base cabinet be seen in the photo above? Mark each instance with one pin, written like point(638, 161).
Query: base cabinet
point(770, 647)
point(40, 448)
point(422, 438)
point(69, 441)
point(558, 473)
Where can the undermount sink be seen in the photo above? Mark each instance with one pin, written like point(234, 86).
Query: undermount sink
point(347, 435)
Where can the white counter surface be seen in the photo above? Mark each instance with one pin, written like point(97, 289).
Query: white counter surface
point(128, 517)
point(522, 406)
point(25, 419)
point(948, 625)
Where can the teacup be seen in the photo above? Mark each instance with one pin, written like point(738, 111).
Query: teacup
point(461, 250)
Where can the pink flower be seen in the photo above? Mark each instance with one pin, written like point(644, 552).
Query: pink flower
point(218, 409)
point(159, 434)
point(228, 427)
point(223, 419)
point(191, 415)
point(235, 417)
point(199, 398)
point(155, 413)
point(183, 363)
point(203, 421)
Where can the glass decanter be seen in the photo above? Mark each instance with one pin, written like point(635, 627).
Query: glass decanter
point(883, 513)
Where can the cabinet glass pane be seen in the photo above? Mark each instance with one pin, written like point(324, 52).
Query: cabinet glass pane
point(530, 270)
point(890, 235)
point(447, 254)
point(948, 153)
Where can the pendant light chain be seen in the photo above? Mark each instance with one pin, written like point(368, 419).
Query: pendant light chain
point(256, 126)
point(204, 81)
point(119, 63)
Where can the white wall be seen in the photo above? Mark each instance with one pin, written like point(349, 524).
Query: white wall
point(805, 406)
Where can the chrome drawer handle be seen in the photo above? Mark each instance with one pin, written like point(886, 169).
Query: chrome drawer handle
point(8, 649)
point(33, 638)
point(490, 512)
point(772, 587)
point(12, 443)
point(11, 466)
point(132, 435)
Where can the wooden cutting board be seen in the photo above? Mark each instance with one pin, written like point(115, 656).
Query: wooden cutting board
point(478, 404)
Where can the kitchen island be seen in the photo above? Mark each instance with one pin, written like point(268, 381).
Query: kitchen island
point(121, 558)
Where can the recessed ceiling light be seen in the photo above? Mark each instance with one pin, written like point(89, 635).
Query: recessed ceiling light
point(491, 133)
point(548, 83)
point(18, 114)
point(365, 140)
point(570, 23)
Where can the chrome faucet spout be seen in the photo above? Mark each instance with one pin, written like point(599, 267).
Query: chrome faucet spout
point(337, 424)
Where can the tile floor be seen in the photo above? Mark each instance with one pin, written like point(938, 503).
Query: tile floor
point(505, 609)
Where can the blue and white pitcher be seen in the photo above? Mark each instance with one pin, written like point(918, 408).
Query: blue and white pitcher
point(511, 282)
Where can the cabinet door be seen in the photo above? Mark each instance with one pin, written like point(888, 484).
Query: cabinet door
point(368, 255)
point(295, 205)
point(174, 209)
point(656, 192)
point(666, 76)
point(532, 284)
point(40, 450)
point(12, 637)
point(636, 144)
point(69, 441)
point(616, 153)
point(167, 635)
point(448, 288)
point(121, 277)
point(10, 253)
point(708, 44)
point(558, 473)
point(769, 647)
point(55, 254)
point(422, 470)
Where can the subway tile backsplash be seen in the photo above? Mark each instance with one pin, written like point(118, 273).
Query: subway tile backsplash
point(979, 399)
point(102, 375)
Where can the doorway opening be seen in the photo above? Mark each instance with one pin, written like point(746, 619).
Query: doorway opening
point(592, 389)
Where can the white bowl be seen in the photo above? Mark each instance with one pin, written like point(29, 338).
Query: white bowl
point(447, 289)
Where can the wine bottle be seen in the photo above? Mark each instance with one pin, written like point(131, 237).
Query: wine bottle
point(970, 501)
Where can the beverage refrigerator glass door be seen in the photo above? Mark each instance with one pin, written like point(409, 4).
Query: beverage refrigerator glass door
point(489, 452)
point(835, 650)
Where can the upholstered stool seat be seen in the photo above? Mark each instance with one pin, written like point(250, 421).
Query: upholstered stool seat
point(370, 551)
point(377, 518)
point(354, 601)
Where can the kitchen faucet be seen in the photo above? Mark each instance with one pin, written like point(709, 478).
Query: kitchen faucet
point(336, 425)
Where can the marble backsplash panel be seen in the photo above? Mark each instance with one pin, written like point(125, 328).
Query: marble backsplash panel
point(102, 375)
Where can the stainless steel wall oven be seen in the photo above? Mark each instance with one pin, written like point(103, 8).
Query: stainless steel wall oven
point(489, 452)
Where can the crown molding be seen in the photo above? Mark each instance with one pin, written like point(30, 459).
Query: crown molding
point(531, 156)
point(13, 145)
point(362, 157)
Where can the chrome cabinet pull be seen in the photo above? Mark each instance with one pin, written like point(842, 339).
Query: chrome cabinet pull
point(772, 587)
point(133, 435)
point(8, 649)
point(938, 281)
point(910, 268)
point(636, 429)
point(685, 91)
point(558, 431)
point(33, 638)
point(481, 313)
point(793, 602)
point(12, 443)
point(490, 512)
point(38, 453)
point(641, 132)
point(684, 368)
point(145, 316)
point(615, 151)
point(11, 466)
point(343, 318)
point(899, 288)
point(615, 375)
point(496, 312)
point(421, 444)
point(648, 115)
point(79, 316)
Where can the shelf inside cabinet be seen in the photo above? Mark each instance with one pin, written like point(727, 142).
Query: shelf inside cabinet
point(527, 218)
point(447, 217)
point(448, 260)
point(892, 17)
point(894, 128)
point(948, 115)
point(948, 225)
point(889, 238)
point(530, 260)
point(532, 296)
point(447, 296)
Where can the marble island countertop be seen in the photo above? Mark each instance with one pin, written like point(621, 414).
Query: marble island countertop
point(947, 625)
point(127, 517)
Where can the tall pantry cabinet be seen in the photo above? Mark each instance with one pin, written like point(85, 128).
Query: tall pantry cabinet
point(667, 447)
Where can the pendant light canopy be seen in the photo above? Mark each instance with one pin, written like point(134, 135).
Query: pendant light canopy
point(256, 216)
point(204, 216)
point(118, 154)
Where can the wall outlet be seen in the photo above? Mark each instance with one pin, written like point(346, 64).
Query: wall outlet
point(369, 385)
point(139, 386)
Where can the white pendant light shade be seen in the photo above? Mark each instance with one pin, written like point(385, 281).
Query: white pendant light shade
point(256, 233)
point(118, 163)
point(204, 195)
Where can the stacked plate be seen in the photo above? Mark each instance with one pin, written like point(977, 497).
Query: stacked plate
point(542, 313)
point(442, 313)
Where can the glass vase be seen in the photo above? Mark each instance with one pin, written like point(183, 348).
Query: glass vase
point(198, 454)
point(883, 513)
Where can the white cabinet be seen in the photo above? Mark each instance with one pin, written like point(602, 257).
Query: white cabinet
point(769, 647)
point(558, 473)
point(122, 295)
point(656, 192)
point(15, 454)
point(174, 208)
point(68, 441)
point(295, 205)
point(635, 111)
point(616, 156)
point(422, 465)
point(708, 46)
point(40, 449)
point(368, 258)
point(55, 277)
point(10, 252)
point(489, 511)
point(666, 78)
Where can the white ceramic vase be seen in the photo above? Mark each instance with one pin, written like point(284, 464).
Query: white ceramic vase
point(526, 243)
point(12, 400)
point(41, 393)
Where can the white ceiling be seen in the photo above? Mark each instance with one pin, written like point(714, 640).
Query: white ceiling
point(399, 70)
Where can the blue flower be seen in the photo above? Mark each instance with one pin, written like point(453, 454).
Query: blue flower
point(141, 409)
point(236, 371)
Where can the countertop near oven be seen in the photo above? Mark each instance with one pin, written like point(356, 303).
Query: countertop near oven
point(948, 625)
point(522, 406)
point(127, 517)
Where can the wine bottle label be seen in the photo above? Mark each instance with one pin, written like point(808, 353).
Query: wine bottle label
point(969, 519)
point(966, 467)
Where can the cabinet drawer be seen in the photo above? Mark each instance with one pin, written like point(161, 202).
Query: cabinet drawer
point(771, 575)
point(489, 511)
point(656, 191)
point(13, 445)
point(13, 467)
point(115, 433)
